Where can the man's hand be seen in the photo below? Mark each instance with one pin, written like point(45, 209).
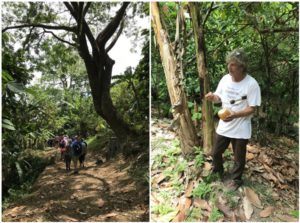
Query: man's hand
point(246, 112)
point(212, 97)
point(230, 117)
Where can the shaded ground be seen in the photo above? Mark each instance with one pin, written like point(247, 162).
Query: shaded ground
point(184, 190)
point(102, 192)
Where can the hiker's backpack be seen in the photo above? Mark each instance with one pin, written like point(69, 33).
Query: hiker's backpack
point(62, 144)
point(84, 147)
point(77, 148)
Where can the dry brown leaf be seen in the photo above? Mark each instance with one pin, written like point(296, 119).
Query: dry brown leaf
point(252, 197)
point(203, 204)
point(233, 217)
point(225, 209)
point(207, 166)
point(252, 149)
point(250, 156)
point(280, 177)
point(266, 212)
point(259, 169)
point(179, 217)
point(287, 218)
point(239, 213)
point(111, 215)
point(158, 179)
point(248, 209)
point(189, 190)
point(183, 207)
point(283, 186)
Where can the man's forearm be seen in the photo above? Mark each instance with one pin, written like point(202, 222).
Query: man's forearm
point(243, 113)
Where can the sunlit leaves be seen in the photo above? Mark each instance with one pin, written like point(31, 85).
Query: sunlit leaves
point(7, 124)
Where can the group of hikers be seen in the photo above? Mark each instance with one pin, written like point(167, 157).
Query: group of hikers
point(71, 149)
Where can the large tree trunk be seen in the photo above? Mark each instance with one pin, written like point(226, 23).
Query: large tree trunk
point(171, 64)
point(207, 113)
point(99, 65)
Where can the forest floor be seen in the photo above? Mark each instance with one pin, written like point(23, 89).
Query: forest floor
point(183, 189)
point(100, 192)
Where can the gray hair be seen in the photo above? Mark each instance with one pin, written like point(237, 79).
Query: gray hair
point(239, 56)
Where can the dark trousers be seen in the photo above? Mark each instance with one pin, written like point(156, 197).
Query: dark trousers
point(239, 149)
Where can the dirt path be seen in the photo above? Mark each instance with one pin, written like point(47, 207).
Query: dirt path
point(98, 193)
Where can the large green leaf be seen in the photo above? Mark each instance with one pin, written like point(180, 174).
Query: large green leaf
point(10, 127)
point(16, 87)
point(7, 124)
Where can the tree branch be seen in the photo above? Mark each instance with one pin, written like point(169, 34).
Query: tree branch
point(88, 4)
point(60, 39)
point(67, 28)
point(282, 30)
point(228, 37)
point(208, 13)
point(109, 30)
point(113, 42)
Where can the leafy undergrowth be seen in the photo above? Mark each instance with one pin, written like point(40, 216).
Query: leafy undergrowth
point(29, 165)
point(184, 189)
point(100, 192)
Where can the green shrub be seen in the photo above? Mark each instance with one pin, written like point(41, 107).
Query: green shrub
point(202, 190)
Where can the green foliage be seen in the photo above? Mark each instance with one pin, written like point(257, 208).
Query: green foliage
point(97, 142)
point(229, 195)
point(199, 158)
point(162, 209)
point(194, 215)
point(295, 213)
point(215, 215)
point(247, 25)
point(202, 190)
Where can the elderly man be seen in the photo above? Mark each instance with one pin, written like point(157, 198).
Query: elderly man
point(240, 93)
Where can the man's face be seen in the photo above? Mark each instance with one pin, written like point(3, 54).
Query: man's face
point(234, 68)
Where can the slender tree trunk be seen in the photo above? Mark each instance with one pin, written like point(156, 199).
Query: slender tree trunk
point(181, 113)
point(196, 110)
point(207, 113)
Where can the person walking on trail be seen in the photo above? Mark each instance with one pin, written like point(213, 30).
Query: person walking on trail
point(62, 147)
point(76, 152)
point(68, 155)
point(240, 94)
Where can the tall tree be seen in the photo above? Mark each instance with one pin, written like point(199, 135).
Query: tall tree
point(174, 78)
point(94, 52)
point(207, 114)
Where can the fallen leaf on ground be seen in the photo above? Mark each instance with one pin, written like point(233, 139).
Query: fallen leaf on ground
point(207, 166)
point(252, 149)
point(248, 209)
point(203, 204)
point(250, 156)
point(252, 197)
point(266, 212)
point(287, 218)
point(168, 217)
point(189, 190)
point(183, 208)
point(110, 215)
point(225, 209)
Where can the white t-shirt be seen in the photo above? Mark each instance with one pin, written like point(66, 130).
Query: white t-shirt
point(227, 90)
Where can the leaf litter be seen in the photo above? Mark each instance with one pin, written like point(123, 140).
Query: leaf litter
point(270, 190)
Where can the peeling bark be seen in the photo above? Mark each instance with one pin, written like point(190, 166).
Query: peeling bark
point(174, 77)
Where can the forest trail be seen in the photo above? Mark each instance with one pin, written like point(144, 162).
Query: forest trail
point(102, 192)
point(183, 192)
